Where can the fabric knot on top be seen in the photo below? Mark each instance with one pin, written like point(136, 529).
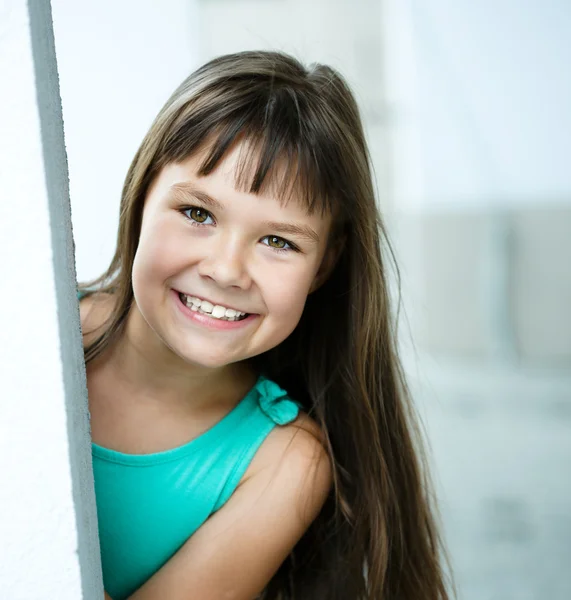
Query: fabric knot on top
point(275, 402)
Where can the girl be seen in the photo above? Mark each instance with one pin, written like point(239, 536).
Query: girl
point(252, 435)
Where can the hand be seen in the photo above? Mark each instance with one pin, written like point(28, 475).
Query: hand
point(107, 596)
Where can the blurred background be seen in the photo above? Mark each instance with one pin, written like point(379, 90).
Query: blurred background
point(467, 110)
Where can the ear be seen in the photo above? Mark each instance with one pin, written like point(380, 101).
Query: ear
point(330, 258)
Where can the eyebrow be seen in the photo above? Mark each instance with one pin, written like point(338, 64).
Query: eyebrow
point(183, 190)
point(292, 229)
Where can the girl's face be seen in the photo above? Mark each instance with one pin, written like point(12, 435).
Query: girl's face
point(228, 249)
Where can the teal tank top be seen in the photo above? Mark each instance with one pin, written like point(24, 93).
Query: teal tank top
point(148, 505)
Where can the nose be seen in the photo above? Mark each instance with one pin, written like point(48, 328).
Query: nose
point(226, 264)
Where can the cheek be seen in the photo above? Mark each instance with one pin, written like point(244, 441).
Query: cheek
point(158, 255)
point(285, 296)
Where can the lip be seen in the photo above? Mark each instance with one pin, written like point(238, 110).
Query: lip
point(213, 302)
point(210, 322)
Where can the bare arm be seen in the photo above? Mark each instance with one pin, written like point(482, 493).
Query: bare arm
point(238, 550)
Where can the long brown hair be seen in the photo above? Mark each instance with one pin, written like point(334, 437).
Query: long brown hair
point(376, 536)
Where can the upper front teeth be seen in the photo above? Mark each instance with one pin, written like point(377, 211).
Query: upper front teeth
point(216, 311)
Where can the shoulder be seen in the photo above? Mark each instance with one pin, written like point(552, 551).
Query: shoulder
point(298, 450)
point(296, 435)
point(302, 435)
point(94, 311)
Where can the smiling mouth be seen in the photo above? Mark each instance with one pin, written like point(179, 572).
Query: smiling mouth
point(216, 311)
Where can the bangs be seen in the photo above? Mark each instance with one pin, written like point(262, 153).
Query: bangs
point(270, 162)
point(285, 150)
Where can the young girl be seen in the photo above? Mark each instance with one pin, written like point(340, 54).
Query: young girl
point(252, 435)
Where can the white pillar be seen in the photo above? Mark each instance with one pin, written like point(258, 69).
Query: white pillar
point(48, 530)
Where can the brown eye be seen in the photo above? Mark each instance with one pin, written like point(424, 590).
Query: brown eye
point(276, 242)
point(198, 214)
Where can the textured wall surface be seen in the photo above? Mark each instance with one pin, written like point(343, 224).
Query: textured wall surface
point(48, 528)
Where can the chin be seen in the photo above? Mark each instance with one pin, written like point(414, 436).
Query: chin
point(212, 361)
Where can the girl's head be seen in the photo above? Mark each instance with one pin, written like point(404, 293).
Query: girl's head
point(203, 237)
point(273, 158)
point(253, 190)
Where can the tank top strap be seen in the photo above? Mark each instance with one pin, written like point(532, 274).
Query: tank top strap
point(270, 406)
point(275, 402)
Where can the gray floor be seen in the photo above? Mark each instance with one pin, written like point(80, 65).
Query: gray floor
point(501, 449)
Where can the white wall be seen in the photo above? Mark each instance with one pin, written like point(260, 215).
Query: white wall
point(118, 63)
point(48, 531)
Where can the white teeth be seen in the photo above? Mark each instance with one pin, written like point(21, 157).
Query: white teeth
point(217, 311)
point(206, 306)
